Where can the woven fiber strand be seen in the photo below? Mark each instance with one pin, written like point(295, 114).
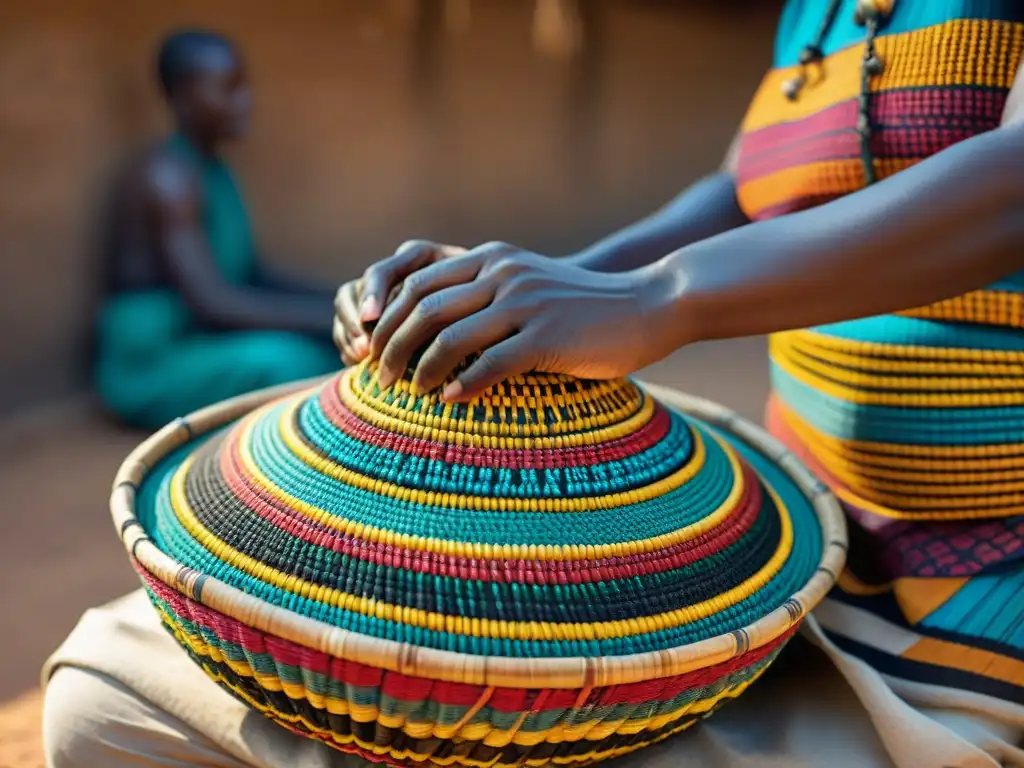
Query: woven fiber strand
point(558, 573)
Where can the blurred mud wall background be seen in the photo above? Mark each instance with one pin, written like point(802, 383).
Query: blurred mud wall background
point(376, 121)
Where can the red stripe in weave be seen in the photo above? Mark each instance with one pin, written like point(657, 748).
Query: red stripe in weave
point(414, 689)
point(647, 436)
point(906, 124)
point(498, 569)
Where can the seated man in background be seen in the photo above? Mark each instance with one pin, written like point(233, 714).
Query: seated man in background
point(191, 315)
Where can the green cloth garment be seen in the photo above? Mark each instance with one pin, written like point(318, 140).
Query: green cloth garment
point(156, 362)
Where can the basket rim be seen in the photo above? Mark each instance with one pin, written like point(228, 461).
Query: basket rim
point(451, 666)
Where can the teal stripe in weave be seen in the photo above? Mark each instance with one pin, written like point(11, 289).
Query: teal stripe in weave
point(905, 426)
point(685, 505)
point(797, 570)
point(666, 456)
point(627, 597)
point(915, 332)
point(1011, 284)
point(801, 18)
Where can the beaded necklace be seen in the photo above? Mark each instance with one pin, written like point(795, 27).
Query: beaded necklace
point(870, 14)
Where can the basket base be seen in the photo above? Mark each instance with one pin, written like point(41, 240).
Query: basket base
point(395, 720)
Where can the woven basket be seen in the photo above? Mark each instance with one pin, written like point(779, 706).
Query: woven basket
point(558, 574)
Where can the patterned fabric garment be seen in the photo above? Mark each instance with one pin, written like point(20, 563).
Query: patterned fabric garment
point(916, 420)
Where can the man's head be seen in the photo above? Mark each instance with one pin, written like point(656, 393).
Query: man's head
point(204, 79)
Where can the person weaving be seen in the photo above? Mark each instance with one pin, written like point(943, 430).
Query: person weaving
point(874, 195)
point(191, 314)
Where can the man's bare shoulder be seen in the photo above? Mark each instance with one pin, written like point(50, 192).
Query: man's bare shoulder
point(161, 177)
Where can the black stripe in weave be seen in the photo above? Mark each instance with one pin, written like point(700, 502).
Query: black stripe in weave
point(396, 740)
point(220, 511)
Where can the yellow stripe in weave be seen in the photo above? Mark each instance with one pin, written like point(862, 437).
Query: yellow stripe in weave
point(619, 423)
point(832, 368)
point(495, 551)
point(426, 759)
point(936, 496)
point(940, 55)
point(909, 400)
point(898, 493)
point(654, 723)
point(936, 484)
point(901, 359)
point(856, 473)
point(955, 507)
point(844, 462)
point(941, 458)
point(323, 465)
point(1000, 308)
point(596, 394)
point(907, 351)
point(368, 713)
point(918, 504)
point(457, 625)
point(963, 512)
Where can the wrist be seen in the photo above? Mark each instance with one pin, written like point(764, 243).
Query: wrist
point(666, 302)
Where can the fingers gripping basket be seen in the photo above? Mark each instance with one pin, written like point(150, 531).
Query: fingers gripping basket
point(557, 574)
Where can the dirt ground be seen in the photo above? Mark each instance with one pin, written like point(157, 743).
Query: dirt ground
point(59, 554)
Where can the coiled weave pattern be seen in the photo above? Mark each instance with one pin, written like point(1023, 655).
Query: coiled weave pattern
point(554, 519)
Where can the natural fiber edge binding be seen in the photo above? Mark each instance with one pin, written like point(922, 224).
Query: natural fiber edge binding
point(463, 668)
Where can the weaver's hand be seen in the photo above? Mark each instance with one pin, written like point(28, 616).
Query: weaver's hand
point(523, 312)
point(360, 302)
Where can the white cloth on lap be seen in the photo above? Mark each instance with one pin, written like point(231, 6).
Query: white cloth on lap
point(121, 693)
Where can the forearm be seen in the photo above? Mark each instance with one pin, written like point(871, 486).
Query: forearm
point(707, 208)
point(951, 224)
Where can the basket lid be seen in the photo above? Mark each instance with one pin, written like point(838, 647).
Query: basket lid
point(551, 518)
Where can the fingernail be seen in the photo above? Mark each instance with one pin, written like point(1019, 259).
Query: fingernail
point(452, 392)
point(385, 379)
point(360, 345)
point(370, 309)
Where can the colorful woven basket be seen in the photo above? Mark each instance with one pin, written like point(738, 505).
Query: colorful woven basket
point(557, 574)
